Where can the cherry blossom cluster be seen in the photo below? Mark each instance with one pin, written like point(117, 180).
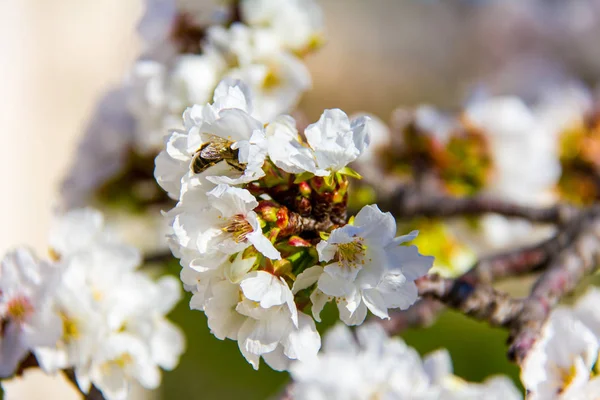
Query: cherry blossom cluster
point(88, 309)
point(563, 364)
point(261, 231)
point(370, 365)
point(190, 47)
point(261, 42)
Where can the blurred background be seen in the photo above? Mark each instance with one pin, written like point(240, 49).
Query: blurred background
point(58, 57)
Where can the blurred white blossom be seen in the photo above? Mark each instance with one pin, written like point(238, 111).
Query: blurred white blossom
point(89, 309)
point(561, 365)
point(373, 365)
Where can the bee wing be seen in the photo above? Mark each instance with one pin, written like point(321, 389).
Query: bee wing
point(212, 152)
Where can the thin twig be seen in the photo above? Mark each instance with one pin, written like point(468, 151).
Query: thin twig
point(421, 314)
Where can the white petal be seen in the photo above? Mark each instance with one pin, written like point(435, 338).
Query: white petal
point(277, 360)
point(397, 293)
point(408, 260)
point(377, 227)
point(237, 269)
point(355, 318)
point(375, 303)
point(231, 200)
point(304, 342)
point(318, 300)
point(264, 245)
point(307, 278)
point(334, 285)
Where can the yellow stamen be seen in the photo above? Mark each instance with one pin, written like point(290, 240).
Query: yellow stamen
point(568, 376)
point(124, 360)
point(70, 329)
point(238, 227)
point(19, 308)
point(350, 253)
point(53, 254)
point(271, 80)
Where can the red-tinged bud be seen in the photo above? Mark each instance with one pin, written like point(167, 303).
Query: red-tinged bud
point(297, 241)
point(272, 234)
point(338, 197)
point(283, 218)
point(267, 210)
point(304, 189)
point(317, 183)
point(342, 185)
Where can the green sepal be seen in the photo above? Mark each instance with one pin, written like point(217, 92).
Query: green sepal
point(304, 176)
point(349, 172)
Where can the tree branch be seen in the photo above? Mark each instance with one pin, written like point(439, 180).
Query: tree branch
point(566, 267)
point(407, 202)
point(563, 275)
point(479, 301)
point(524, 260)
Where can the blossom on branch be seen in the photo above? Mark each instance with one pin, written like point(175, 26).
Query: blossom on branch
point(261, 229)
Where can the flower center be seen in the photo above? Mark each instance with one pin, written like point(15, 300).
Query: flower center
point(579, 156)
point(567, 376)
point(19, 308)
point(271, 80)
point(238, 227)
point(53, 254)
point(70, 328)
point(351, 253)
point(124, 360)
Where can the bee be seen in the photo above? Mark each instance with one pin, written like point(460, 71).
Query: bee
point(213, 152)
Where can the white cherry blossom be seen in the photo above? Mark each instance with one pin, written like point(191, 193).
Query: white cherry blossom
point(297, 24)
point(227, 121)
point(277, 78)
point(259, 312)
point(114, 330)
point(370, 268)
point(227, 226)
point(337, 141)
point(29, 319)
point(285, 147)
point(560, 362)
